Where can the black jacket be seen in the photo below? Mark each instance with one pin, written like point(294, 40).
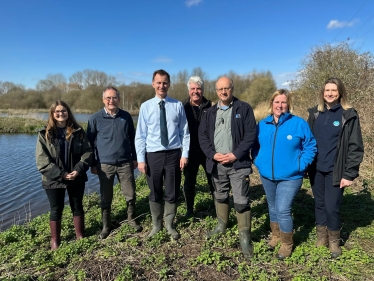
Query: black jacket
point(350, 148)
point(194, 122)
point(243, 132)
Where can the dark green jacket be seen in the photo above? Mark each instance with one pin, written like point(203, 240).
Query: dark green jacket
point(50, 165)
point(350, 148)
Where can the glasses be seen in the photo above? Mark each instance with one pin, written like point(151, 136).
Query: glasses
point(223, 89)
point(61, 111)
point(111, 98)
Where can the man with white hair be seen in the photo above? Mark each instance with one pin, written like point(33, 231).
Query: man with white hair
point(195, 106)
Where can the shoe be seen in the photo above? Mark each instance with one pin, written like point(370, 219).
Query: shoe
point(169, 215)
point(222, 210)
point(156, 211)
point(244, 226)
point(286, 245)
point(79, 226)
point(322, 236)
point(334, 243)
point(131, 215)
point(55, 227)
point(107, 223)
point(275, 235)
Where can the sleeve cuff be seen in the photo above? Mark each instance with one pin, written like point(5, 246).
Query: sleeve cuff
point(141, 158)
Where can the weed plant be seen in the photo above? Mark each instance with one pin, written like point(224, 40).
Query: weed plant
point(126, 255)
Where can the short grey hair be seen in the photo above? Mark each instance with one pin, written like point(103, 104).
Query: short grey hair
point(196, 80)
point(111, 88)
point(232, 81)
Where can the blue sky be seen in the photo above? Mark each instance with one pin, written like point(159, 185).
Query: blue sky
point(131, 39)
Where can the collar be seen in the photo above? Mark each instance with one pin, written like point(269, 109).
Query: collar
point(220, 106)
point(334, 108)
point(158, 100)
point(108, 114)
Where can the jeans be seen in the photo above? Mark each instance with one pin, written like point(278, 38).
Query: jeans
point(280, 195)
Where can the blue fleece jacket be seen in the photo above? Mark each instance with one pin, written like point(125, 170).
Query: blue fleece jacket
point(283, 152)
point(112, 138)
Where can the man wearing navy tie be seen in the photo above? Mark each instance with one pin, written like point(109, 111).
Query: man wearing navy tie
point(162, 143)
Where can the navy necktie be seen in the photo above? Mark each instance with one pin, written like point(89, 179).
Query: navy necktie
point(163, 125)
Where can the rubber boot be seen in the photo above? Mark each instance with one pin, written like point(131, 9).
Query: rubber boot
point(190, 199)
point(79, 226)
point(334, 243)
point(244, 226)
point(275, 235)
point(286, 245)
point(322, 236)
point(107, 223)
point(55, 234)
point(169, 214)
point(131, 215)
point(222, 210)
point(156, 211)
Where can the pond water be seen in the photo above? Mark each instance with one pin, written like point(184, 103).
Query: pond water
point(21, 194)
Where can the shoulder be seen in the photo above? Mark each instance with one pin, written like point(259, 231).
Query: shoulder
point(350, 112)
point(241, 104)
point(96, 116)
point(124, 114)
point(147, 103)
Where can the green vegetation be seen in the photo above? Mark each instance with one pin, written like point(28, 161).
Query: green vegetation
point(23, 125)
point(127, 255)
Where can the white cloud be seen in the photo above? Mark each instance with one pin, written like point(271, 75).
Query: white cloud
point(283, 80)
point(190, 3)
point(339, 24)
point(162, 59)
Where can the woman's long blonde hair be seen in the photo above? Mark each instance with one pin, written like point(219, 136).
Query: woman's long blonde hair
point(342, 93)
point(71, 123)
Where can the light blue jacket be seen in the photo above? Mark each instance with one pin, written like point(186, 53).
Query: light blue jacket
point(284, 152)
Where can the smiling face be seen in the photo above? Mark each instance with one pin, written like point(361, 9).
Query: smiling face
point(161, 85)
point(60, 114)
point(224, 90)
point(331, 95)
point(280, 106)
point(196, 94)
point(111, 100)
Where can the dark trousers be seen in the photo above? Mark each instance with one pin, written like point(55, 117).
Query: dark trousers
point(327, 200)
point(56, 199)
point(190, 173)
point(164, 166)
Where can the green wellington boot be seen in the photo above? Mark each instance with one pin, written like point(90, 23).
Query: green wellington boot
point(244, 226)
point(156, 212)
point(169, 214)
point(131, 215)
point(107, 223)
point(222, 210)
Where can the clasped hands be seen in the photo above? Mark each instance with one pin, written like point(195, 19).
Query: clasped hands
point(70, 176)
point(224, 158)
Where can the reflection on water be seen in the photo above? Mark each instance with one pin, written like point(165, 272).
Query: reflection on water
point(21, 194)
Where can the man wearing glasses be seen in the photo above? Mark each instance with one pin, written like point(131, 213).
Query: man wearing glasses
point(226, 134)
point(111, 132)
point(162, 145)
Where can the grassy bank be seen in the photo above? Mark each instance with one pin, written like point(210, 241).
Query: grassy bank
point(23, 125)
point(126, 255)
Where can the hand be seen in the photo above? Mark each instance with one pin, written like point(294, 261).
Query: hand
point(344, 183)
point(64, 176)
point(94, 170)
point(230, 158)
point(135, 164)
point(220, 157)
point(183, 162)
point(72, 175)
point(142, 166)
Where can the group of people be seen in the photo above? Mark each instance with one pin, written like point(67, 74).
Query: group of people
point(172, 137)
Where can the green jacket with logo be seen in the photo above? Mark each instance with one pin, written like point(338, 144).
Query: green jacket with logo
point(50, 165)
point(350, 147)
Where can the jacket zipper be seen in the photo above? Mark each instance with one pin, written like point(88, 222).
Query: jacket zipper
point(299, 162)
point(272, 157)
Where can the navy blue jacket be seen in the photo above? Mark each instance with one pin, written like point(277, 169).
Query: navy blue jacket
point(112, 138)
point(285, 150)
point(243, 132)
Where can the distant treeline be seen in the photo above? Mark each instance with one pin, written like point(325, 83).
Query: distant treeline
point(83, 90)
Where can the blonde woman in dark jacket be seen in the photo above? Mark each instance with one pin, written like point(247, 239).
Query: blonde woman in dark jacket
point(63, 155)
point(336, 128)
